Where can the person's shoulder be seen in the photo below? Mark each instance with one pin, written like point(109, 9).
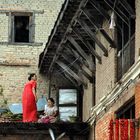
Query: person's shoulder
point(28, 82)
point(33, 82)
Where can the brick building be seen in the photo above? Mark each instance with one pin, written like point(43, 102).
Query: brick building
point(91, 64)
point(24, 30)
point(98, 53)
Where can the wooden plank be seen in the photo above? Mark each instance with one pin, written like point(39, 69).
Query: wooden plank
point(70, 72)
point(88, 71)
point(76, 55)
point(78, 48)
point(68, 77)
point(100, 9)
point(82, 61)
point(81, 51)
point(12, 29)
point(127, 7)
point(119, 12)
point(71, 61)
point(10, 21)
point(76, 66)
point(90, 78)
point(102, 31)
point(93, 36)
point(87, 44)
point(32, 28)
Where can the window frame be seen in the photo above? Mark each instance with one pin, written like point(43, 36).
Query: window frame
point(11, 37)
point(126, 45)
point(128, 106)
point(70, 105)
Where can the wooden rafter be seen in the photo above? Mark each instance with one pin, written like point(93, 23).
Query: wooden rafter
point(87, 44)
point(70, 72)
point(93, 36)
point(102, 31)
point(71, 61)
point(80, 59)
point(68, 77)
point(127, 7)
point(101, 10)
point(79, 49)
point(117, 11)
point(78, 67)
point(87, 75)
point(76, 55)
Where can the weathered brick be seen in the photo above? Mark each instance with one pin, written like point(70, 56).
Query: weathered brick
point(25, 57)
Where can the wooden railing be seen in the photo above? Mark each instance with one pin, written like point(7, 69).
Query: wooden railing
point(126, 57)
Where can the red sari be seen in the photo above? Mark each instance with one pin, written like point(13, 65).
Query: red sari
point(28, 102)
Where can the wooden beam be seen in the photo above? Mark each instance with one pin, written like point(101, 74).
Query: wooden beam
point(119, 12)
point(79, 69)
point(101, 10)
point(93, 36)
point(71, 61)
point(70, 72)
point(127, 7)
point(76, 55)
point(68, 77)
point(87, 75)
point(80, 59)
point(87, 44)
point(102, 31)
point(91, 74)
point(79, 49)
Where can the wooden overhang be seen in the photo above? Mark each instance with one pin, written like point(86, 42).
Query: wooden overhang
point(71, 45)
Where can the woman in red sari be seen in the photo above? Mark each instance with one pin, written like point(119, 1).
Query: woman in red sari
point(29, 99)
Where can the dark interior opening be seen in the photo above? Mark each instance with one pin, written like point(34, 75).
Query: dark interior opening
point(125, 39)
point(21, 24)
point(127, 111)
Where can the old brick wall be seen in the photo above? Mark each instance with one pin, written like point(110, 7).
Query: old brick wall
point(88, 101)
point(137, 40)
point(137, 105)
point(105, 72)
point(137, 100)
point(16, 61)
point(105, 82)
point(101, 129)
point(102, 122)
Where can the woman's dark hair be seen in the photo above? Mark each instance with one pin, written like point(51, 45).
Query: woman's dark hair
point(30, 76)
point(51, 99)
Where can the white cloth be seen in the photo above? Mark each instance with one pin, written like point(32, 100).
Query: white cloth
point(50, 110)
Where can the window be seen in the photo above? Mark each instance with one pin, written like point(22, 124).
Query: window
point(67, 103)
point(125, 37)
point(22, 28)
point(127, 111)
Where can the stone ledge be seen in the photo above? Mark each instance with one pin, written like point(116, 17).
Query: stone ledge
point(22, 44)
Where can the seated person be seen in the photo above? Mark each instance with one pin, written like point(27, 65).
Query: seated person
point(50, 112)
